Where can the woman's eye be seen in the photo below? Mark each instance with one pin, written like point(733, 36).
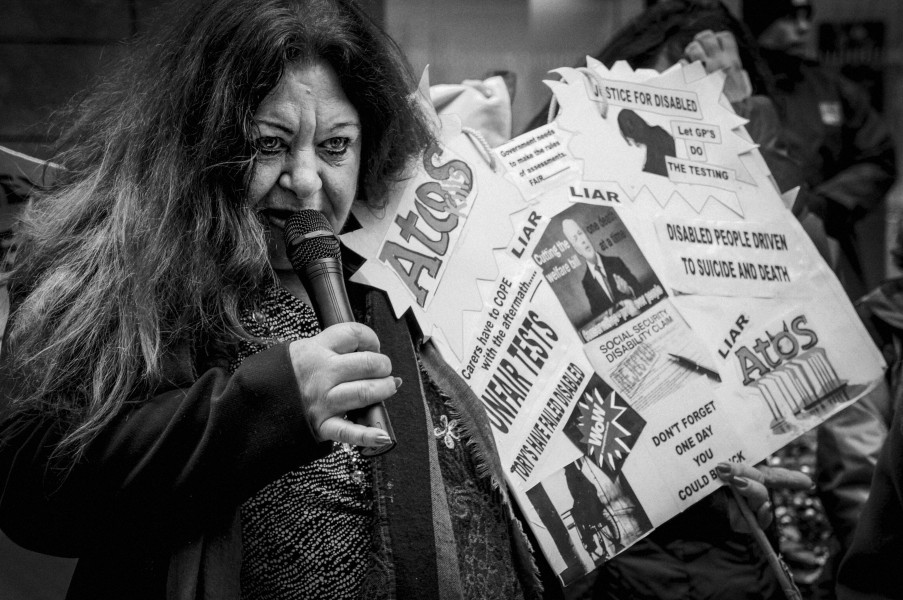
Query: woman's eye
point(336, 146)
point(268, 145)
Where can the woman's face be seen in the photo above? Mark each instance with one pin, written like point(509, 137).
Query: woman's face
point(307, 135)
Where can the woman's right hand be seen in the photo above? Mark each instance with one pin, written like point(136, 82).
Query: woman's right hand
point(337, 371)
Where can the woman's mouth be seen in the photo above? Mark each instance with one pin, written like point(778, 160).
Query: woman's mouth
point(276, 217)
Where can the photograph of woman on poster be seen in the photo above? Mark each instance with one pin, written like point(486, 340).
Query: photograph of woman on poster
point(657, 142)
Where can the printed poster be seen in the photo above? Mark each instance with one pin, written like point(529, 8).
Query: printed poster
point(628, 295)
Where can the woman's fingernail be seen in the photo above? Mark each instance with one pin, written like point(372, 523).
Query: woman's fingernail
point(741, 482)
point(398, 382)
point(723, 469)
point(383, 439)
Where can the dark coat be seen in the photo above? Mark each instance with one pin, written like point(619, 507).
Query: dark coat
point(843, 147)
point(152, 511)
point(871, 568)
point(599, 301)
point(168, 474)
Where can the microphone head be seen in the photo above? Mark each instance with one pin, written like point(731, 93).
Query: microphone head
point(309, 237)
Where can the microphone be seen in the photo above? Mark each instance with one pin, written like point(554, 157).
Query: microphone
point(314, 252)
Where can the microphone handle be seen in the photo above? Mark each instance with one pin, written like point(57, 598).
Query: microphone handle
point(326, 287)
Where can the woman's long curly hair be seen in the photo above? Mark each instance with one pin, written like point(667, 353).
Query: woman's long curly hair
point(147, 243)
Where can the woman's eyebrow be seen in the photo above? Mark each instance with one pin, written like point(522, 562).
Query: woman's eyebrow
point(274, 123)
point(344, 124)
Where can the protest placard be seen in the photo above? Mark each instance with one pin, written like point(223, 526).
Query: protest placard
point(627, 294)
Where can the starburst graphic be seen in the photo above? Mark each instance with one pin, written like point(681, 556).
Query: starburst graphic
point(605, 427)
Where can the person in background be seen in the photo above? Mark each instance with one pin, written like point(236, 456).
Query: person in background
point(841, 143)
point(16, 173)
point(848, 162)
point(870, 569)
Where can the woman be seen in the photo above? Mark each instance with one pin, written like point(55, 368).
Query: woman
point(657, 142)
point(141, 408)
point(169, 403)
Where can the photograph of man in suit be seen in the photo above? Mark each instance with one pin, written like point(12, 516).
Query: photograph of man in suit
point(607, 282)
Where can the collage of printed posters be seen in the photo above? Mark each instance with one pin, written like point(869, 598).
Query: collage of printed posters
point(628, 295)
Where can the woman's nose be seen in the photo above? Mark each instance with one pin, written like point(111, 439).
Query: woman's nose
point(300, 175)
